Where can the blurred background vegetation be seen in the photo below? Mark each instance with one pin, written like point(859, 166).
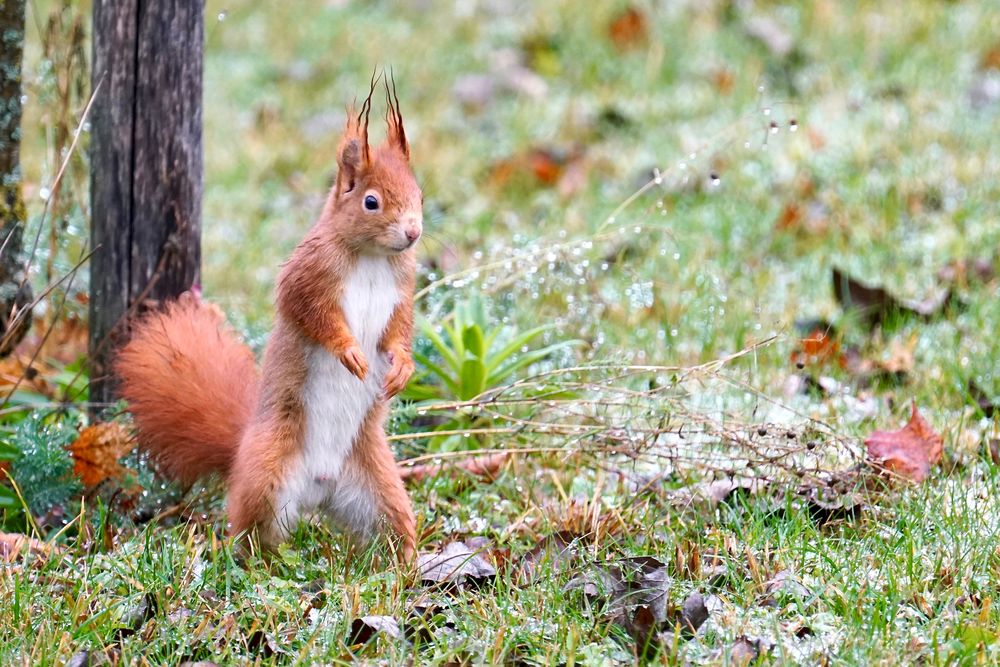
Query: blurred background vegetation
point(660, 183)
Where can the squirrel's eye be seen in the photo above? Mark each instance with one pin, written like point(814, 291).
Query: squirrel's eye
point(371, 203)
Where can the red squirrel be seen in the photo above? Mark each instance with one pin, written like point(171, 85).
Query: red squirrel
point(305, 435)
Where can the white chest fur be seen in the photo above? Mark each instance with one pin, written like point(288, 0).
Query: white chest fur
point(336, 403)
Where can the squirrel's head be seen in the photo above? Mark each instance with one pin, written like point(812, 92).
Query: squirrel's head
point(376, 193)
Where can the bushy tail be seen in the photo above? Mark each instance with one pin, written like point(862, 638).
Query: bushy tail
point(191, 386)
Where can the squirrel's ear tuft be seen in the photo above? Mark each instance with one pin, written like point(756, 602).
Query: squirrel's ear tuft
point(394, 118)
point(354, 154)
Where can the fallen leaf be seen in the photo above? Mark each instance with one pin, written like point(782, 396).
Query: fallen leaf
point(629, 29)
point(723, 79)
point(455, 564)
point(910, 451)
point(790, 217)
point(694, 613)
point(596, 583)
point(365, 628)
point(262, 644)
point(136, 616)
point(642, 625)
point(875, 304)
point(991, 59)
point(819, 346)
point(96, 452)
point(487, 466)
point(783, 585)
point(744, 651)
point(537, 166)
point(900, 359)
point(557, 550)
point(82, 659)
point(13, 546)
point(714, 492)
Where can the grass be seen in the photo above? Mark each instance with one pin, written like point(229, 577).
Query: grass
point(891, 175)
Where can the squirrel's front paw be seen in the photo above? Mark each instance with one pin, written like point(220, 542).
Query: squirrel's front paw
point(400, 369)
point(354, 360)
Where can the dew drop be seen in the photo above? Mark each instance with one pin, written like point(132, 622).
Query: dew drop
point(793, 125)
point(657, 177)
point(767, 111)
point(715, 179)
point(44, 193)
point(774, 127)
point(222, 15)
point(746, 144)
point(760, 88)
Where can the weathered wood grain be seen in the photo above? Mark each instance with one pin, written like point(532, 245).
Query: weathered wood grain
point(146, 153)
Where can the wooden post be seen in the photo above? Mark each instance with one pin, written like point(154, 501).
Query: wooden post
point(146, 165)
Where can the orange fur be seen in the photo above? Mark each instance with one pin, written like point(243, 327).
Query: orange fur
point(193, 388)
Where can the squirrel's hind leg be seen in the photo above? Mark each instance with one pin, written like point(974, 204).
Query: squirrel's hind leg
point(255, 503)
point(372, 465)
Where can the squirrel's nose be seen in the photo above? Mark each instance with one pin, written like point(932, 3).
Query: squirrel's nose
point(412, 234)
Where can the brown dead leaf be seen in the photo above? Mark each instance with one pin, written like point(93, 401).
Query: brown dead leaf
point(487, 466)
point(723, 79)
point(364, 629)
point(629, 29)
point(909, 452)
point(900, 359)
point(557, 550)
point(14, 545)
point(892, 367)
point(790, 217)
point(991, 59)
point(876, 304)
point(541, 166)
point(455, 564)
point(744, 651)
point(97, 450)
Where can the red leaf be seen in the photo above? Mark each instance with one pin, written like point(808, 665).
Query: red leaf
point(629, 29)
point(910, 451)
point(817, 348)
point(97, 450)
